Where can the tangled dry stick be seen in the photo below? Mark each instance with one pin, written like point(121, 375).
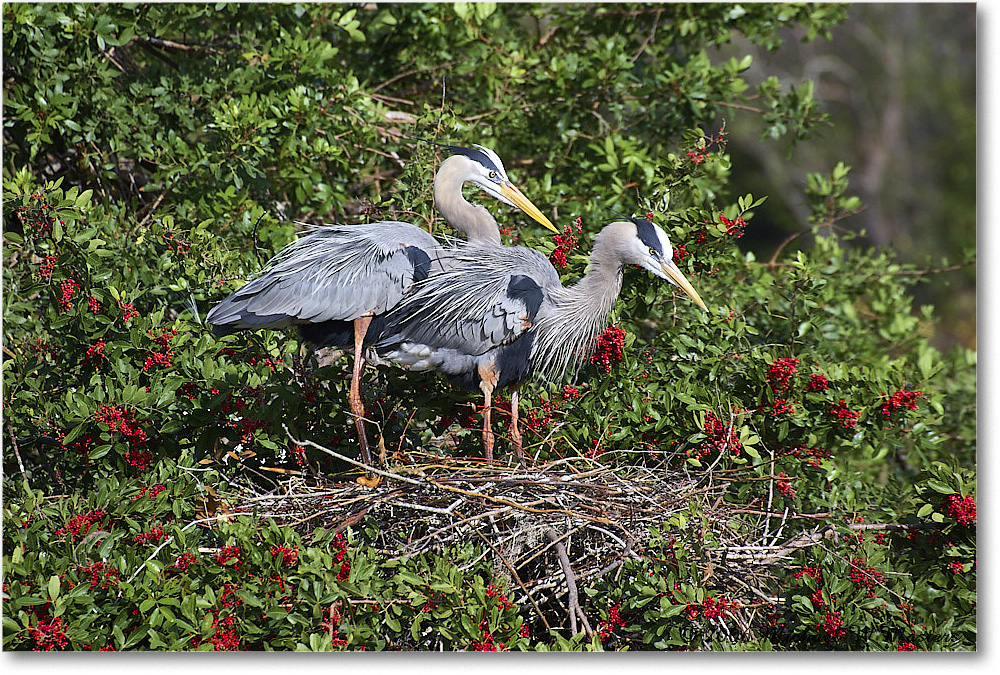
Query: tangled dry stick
point(551, 526)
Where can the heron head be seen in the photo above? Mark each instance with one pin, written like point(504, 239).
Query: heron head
point(482, 167)
point(653, 252)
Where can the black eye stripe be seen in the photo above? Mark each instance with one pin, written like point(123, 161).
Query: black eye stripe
point(476, 156)
point(647, 234)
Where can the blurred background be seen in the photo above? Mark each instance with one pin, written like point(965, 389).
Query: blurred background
point(898, 82)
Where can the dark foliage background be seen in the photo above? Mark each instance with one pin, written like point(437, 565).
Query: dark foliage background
point(155, 156)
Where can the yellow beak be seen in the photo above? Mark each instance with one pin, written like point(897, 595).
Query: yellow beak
point(523, 203)
point(675, 275)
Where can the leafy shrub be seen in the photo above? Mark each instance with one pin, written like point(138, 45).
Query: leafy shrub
point(137, 191)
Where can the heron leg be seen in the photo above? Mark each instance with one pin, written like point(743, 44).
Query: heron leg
point(515, 431)
point(354, 398)
point(487, 382)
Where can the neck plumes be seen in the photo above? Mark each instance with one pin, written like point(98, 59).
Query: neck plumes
point(474, 220)
point(575, 316)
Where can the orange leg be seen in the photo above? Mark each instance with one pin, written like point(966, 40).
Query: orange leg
point(488, 380)
point(357, 405)
point(515, 431)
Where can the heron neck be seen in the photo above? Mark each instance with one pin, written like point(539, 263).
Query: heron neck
point(599, 288)
point(474, 220)
point(574, 317)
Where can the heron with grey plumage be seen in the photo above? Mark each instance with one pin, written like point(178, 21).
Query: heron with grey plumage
point(497, 316)
point(337, 283)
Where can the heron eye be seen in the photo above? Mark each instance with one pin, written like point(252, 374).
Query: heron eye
point(493, 174)
point(652, 253)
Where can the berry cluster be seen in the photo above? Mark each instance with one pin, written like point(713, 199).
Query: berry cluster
point(331, 626)
point(962, 509)
point(832, 626)
point(865, 576)
point(78, 526)
point(38, 219)
point(493, 591)
point(184, 561)
point(780, 407)
point(781, 372)
point(287, 557)
point(47, 267)
point(128, 311)
point(175, 243)
point(157, 359)
point(702, 154)
point(49, 635)
point(485, 644)
point(224, 635)
point(153, 491)
point(595, 449)
point(847, 417)
point(558, 258)
point(138, 459)
point(123, 422)
point(68, 289)
point(95, 353)
point(93, 304)
point(817, 382)
point(811, 456)
point(231, 556)
point(906, 647)
point(904, 398)
point(160, 359)
point(734, 228)
point(784, 487)
point(720, 436)
point(719, 608)
point(189, 389)
point(340, 544)
point(815, 572)
point(101, 574)
point(565, 243)
point(610, 345)
point(605, 628)
point(154, 536)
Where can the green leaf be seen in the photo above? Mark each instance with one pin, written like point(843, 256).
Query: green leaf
point(53, 587)
point(84, 199)
point(940, 487)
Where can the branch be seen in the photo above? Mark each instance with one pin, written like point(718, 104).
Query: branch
point(171, 538)
point(574, 595)
point(517, 578)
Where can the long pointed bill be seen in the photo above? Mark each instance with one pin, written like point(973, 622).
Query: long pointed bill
point(675, 275)
point(523, 203)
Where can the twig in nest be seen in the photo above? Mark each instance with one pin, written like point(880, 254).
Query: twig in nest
point(517, 578)
point(347, 459)
point(574, 595)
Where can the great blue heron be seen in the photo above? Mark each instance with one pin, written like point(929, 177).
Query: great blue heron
point(335, 281)
point(497, 315)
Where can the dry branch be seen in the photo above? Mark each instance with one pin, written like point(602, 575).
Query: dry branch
point(549, 528)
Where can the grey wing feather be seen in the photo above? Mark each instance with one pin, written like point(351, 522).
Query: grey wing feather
point(338, 272)
point(466, 307)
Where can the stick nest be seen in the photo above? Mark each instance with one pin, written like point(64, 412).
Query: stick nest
point(546, 528)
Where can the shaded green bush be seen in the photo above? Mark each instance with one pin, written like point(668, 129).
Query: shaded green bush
point(138, 191)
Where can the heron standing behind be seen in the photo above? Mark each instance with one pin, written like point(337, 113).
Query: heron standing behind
point(335, 282)
point(498, 315)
